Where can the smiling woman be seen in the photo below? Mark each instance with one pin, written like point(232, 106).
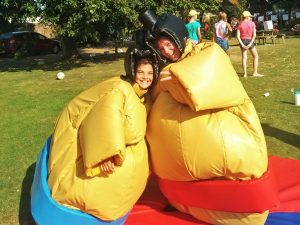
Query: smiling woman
point(144, 73)
point(98, 158)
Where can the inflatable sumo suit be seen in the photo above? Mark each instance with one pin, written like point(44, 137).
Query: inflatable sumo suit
point(202, 125)
point(107, 120)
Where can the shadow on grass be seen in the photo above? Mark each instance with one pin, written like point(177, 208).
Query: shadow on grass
point(25, 217)
point(293, 36)
point(289, 103)
point(55, 62)
point(285, 136)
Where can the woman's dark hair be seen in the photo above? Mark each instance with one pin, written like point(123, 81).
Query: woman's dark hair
point(143, 61)
point(132, 59)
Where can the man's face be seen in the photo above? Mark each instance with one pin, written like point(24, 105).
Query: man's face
point(168, 48)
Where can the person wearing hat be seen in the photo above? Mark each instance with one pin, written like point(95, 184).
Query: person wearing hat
point(98, 160)
point(246, 34)
point(193, 27)
point(202, 125)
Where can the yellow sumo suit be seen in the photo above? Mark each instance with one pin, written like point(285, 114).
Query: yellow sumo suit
point(203, 126)
point(107, 120)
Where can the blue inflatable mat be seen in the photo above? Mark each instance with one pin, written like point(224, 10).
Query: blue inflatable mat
point(46, 211)
point(283, 218)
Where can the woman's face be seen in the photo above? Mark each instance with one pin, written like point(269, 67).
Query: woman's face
point(168, 48)
point(144, 75)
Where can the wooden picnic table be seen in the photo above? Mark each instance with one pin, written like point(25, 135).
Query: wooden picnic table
point(265, 32)
point(264, 35)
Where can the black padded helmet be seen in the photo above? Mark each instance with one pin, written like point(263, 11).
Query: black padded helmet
point(137, 51)
point(165, 24)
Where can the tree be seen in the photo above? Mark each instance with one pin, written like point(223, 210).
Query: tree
point(82, 20)
point(72, 19)
point(99, 20)
point(234, 8)
point(288, 5)
point(182, 7)
point(14, 13)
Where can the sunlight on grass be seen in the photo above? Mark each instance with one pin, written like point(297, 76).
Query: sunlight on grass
point(30, 103)
point(278, 113)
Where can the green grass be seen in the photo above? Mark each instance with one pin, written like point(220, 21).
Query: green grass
point(31, 99)
point(278, 114)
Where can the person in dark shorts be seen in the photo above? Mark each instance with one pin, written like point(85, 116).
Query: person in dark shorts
point(222, 31)
point(246, 33)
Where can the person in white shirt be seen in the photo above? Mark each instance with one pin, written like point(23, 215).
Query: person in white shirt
point(222, 31)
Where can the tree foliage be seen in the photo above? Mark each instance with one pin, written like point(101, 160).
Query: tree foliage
point(97, 20)
point(284, 4)
point(116, 18)
point(234, 8)
point(100, 20)
point(15, 12)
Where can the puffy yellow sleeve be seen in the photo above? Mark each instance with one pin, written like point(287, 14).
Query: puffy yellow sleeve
point(206, 80)
point(101, 135)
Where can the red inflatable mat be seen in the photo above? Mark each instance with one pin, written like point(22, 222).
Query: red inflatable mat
point(152, 208)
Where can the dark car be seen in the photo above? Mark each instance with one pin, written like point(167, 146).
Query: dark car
point(30, 42)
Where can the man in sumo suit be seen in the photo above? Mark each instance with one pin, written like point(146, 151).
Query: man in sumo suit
point(206, 142)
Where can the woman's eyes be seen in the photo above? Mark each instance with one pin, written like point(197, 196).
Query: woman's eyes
point(142, 72)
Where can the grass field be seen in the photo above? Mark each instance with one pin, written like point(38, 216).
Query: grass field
point(31, 99)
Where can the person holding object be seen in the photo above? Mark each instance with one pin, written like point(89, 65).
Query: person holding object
point(210, 125)
point(98, 160)
point(246, 34)
point(193, 27)
point(222, 31)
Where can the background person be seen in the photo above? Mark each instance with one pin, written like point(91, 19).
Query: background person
point(98, 160)
point(246, 34)
point(206, 25)
point(194, 27)
point(234, 24)
point(222, 32)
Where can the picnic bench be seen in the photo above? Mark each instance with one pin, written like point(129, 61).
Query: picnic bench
point(263, 39)
point(264, 35)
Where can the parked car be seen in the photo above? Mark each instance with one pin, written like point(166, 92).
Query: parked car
point(30, 42)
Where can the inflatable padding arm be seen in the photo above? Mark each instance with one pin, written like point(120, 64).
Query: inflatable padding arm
point(208, 80)
point(101, 134)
